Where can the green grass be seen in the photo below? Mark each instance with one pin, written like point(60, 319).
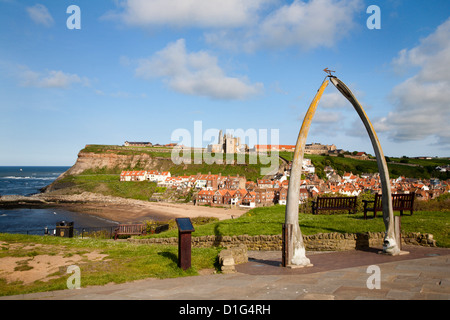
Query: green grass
point(245, 165)
point(411, 168)
point(269, 220)
point(417, 168)
point(110, 184)
point(122, 150)
point(125, 261)
point(248, 166)
point(130, 261)
point(408, 167)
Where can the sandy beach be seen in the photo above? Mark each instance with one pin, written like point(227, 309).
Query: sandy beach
point(120, 209)
point(152, 211)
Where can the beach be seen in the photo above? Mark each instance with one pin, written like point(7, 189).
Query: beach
point(119, 209)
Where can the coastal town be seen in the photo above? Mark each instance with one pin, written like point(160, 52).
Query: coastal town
point(218, 190)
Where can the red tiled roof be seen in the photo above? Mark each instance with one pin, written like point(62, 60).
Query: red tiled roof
point(133, 173)
point(206, 192)
point(274, 147)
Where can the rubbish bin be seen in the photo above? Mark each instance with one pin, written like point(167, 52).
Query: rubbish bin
point(64, 229)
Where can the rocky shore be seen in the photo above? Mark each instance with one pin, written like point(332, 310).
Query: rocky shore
point(52, 198)
point(115, 208)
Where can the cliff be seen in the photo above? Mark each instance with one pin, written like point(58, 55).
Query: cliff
point(117, 162)
point(104, 159)
point(113, 159)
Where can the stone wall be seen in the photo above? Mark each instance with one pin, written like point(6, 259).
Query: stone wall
point(317, 242)
point(228, 258)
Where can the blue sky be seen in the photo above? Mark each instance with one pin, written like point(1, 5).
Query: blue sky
point(139, 70)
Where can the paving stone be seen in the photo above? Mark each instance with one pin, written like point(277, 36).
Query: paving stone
point(349, 293)
point(318, 296)
point(402, 295)
point(336, 275)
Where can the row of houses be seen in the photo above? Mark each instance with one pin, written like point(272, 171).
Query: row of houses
point(143, 175)
point(215, 189)
point(199, 181)
point(353, 185)
point(247, 198)
point(205, 182)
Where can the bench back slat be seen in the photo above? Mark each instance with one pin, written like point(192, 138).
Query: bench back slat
point(334, 203)
point(130, 229)
point(399, 201)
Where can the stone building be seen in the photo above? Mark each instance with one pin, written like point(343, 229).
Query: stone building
point(312, 148)
point(318, 148)
point(137, 144)
point(227, 144)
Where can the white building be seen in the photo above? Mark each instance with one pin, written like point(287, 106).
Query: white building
point(133, 176)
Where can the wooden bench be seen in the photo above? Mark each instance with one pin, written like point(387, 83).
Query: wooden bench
point(130, 230)
point(334, 203)
point(400, 202)
point(157, 228)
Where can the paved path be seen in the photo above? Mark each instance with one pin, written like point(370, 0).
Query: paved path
point(423, 274)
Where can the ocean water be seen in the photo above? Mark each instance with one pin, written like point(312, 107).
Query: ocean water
point(35, 221)
point(29, 180)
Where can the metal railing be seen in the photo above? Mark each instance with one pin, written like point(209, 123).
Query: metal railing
point(105, 232)
point(102, 232)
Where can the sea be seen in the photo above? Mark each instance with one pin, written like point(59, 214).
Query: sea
point(29, 180)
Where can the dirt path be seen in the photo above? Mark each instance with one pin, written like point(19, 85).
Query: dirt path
point(49, 264)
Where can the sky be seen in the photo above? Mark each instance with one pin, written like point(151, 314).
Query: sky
point(80, 72)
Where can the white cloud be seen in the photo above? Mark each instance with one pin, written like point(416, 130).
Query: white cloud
point(326, 123)
point(40, 15)
point(333, 100)
point(49, 79)
point(195, 73)
point(249, 25)
point(303, 24)
point(191, 13)
point(327, 117)
point(422, 102)
point(309, 24)
point(381, 125)
point(432, 55)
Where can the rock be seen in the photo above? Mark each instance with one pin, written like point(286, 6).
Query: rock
point(228, 258)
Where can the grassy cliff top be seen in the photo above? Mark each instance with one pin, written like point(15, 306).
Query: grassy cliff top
point(407, 167)
point(244, 165)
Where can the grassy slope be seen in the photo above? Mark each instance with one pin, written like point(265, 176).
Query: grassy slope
point(413, 168)
point(251, 167)
point(110, 184)
point(269, 220)
point(106, 180)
